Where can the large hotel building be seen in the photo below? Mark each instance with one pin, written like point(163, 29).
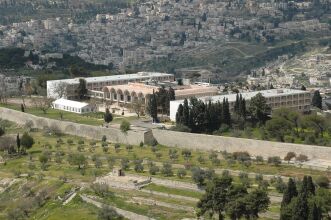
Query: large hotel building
point(276, 98)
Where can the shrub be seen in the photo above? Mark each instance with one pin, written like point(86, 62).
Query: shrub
point(216, 162)
point(187, 154)
point(138, 166)
point(153, 169)
point(141, 144)
point(70, 141)
point(81, 142)
point(27, 141)
point(181, 128)
point(213, 155)
point(302, 158)
point(167, 169)
point(259, 159)
point(241, 156)
point(104, 138)
point(258, 177)
point(125, 126)
point(225, 173)
point(129, 147)
point(263, 185)
point(125, 164)
point(198, 176)
point(181, 173)
point(322, 181)
point(98, 163)
point(101, 189)
point(173, 154)
point(107, 212)
point(289, 156)
point(117, 146)
point(274, 160)
point(280, 185)
point(209, 174)
point(201, 159)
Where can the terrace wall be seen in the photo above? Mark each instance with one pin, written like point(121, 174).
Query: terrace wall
point(231, 144)
point(171, 138)
point(93, 132)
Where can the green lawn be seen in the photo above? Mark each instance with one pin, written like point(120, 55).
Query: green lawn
point(174, 191)
point(95, 119)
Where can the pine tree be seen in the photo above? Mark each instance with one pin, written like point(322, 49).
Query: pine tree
point(317, 99)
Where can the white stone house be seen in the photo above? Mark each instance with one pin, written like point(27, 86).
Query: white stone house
point(73, 106)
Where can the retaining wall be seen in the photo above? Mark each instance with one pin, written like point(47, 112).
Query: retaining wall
point(171, 138)
point(230, 144)
point(93, 132)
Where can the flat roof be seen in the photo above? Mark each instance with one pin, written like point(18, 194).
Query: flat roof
point(139, 75)
point(70, 103)
point(249, 95)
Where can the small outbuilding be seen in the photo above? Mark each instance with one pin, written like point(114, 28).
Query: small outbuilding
point(73, 106)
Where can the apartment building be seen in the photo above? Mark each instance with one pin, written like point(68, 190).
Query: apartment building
point(98, 83)
point(276, 98)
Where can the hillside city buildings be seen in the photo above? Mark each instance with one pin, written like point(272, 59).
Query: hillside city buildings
point(157, 29)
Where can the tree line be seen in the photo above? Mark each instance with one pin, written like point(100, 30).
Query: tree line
point(199, 117)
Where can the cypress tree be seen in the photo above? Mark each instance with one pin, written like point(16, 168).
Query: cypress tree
point(226, 112)
point(153, 107)
point(186, 113)
point(315, 212)
point(290, 192)
point(179, 114)
point(300, 211)
point(172, 95)
point(317, 99)
point(236, 106)
point(243, 108)
point(310, 185)
point(304, 186)
point(18, 143)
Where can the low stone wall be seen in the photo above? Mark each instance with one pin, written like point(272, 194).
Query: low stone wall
point(230, 144)
point(87, 131)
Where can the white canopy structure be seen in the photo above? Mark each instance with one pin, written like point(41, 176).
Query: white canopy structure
point(72, 106)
